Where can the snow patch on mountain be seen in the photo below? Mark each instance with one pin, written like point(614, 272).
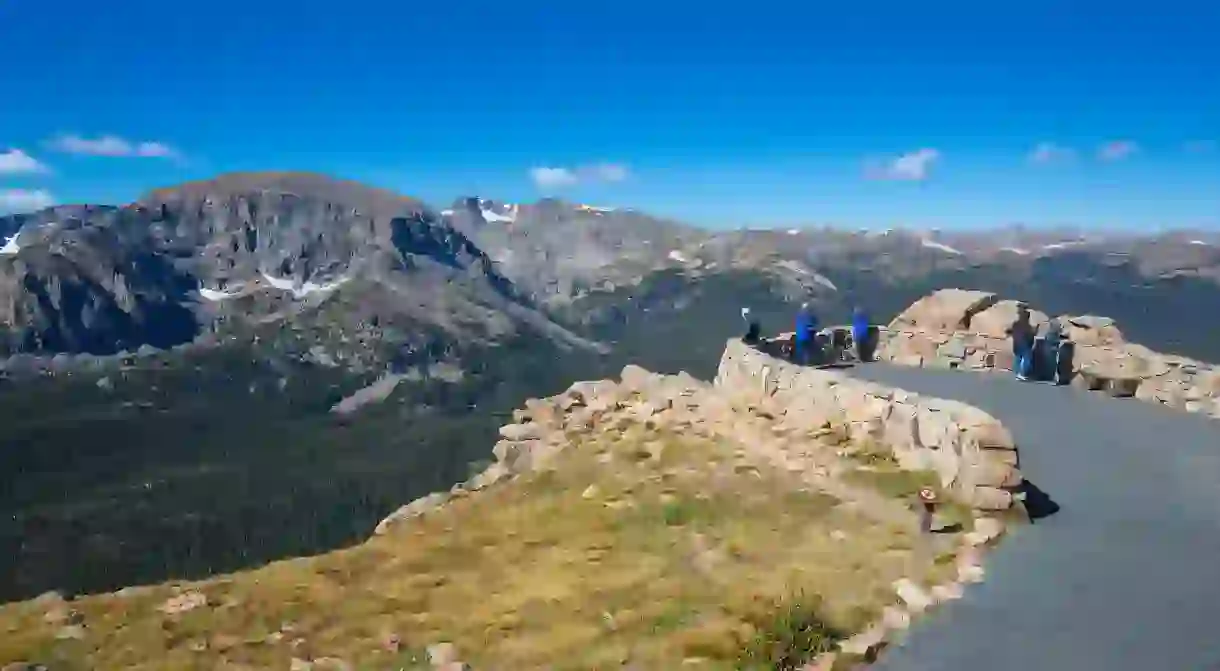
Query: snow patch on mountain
point(491, 216)
point(1015, 250)
point(1062, 245)
point(215, 295)
point(932, 244)
point(10, 245)
point(302, 290)
point(801, 269)
point(594, 209)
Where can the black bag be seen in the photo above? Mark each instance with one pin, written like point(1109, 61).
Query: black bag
point(1063, 372)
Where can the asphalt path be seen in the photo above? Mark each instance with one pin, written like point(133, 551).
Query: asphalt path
point(1124, 576)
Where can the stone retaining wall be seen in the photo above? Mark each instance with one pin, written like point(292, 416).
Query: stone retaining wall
point(953, 328)
point(971, 451)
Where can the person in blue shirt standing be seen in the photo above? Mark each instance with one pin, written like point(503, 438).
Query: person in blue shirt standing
point(806, 328)
point(859, 334)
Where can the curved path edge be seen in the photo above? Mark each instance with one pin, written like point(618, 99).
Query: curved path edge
point(1126, 575)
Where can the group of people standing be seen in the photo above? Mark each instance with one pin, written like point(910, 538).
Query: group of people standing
point(807, 349)
point(1052, 355)
point(1053, 359)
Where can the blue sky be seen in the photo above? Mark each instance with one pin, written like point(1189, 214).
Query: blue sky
point(858, 114)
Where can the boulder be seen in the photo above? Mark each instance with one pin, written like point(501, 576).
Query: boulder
point(517, 432)
point(637, 379)
point(1091, 330)
point(995, 473)
point(986, 529)
point(991, 498)
point(1208, 383)
point(597, 394)
point(415, 508)
point(914, 596)
point(1088, 379)
point(995, 320)
point(1123, 387)
point(954, 348)
point(440, 654)
point(182, 603)
point(944, 310)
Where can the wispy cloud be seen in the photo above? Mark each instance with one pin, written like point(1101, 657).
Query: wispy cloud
point(1049, 152)
point(22, 200)
point(603, 172)
point(915, 166)
point(561, 177)
point(553, 177)
point(17, 162)
point(1117, 150)
point(111, 145)
point(1200, 146)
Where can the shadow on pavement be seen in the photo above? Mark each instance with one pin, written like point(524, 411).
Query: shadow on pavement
point(1038, 504)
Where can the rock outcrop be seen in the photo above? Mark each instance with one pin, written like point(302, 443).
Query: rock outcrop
point(772, 406)
point(953, 328)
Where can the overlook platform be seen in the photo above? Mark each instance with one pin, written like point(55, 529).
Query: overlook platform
point(1126, 576)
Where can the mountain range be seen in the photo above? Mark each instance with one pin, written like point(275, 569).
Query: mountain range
point(264, 364)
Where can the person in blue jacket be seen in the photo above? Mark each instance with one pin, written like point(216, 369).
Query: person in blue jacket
point(806, 329)
point(859, 333)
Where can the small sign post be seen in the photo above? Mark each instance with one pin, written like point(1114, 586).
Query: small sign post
point(928, 498)
point(923, 553)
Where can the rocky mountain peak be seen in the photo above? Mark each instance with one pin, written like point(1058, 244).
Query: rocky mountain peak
point(368, 200)
point(258, 238)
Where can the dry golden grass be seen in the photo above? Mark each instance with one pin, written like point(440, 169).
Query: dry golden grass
point(646, 548)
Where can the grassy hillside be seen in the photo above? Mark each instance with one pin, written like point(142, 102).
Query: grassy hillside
point(636, 547)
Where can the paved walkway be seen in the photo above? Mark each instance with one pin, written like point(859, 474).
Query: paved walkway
point(1126, 576)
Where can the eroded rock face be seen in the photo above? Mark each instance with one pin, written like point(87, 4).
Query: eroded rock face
point(949, 329)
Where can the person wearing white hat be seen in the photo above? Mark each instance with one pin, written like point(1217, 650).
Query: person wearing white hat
point(753, 329)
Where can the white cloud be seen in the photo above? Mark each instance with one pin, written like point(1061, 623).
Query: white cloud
point(559, 177)
point(155, 150)
point(1049, 152)
point(553, 177)
point(111, 145)
point(1117, 150)
point(22, 200)
point(17, 162)
point(911, 167)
